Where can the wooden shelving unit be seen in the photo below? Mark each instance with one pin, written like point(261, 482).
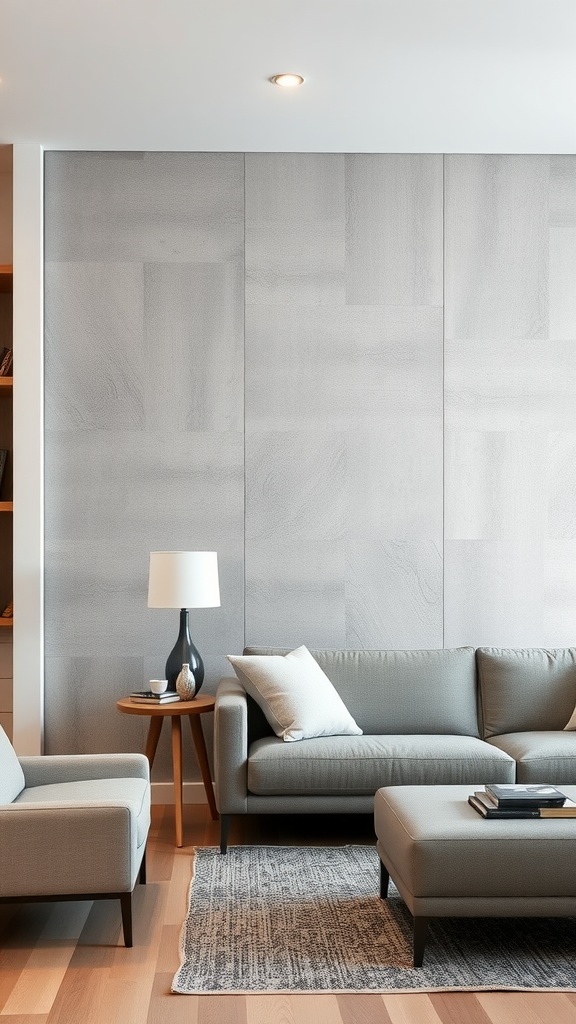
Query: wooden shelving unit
point(6, 385)
point(5, 277)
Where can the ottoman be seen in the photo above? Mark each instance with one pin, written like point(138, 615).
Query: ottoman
point(448, 861)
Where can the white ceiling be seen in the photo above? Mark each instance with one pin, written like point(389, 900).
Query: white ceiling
point(381, 75)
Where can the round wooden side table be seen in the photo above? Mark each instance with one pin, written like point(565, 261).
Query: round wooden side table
point(191, 709)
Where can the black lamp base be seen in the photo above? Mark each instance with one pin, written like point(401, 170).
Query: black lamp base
point(184, 653)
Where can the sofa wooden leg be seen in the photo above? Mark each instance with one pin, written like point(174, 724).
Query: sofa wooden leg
point(384, 882)
point(420, 931)
point(126, 907)
point(224, 828)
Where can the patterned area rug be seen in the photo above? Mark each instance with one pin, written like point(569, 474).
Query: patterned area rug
point(309, 919)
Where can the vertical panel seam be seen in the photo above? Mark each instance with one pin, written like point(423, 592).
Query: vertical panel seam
point(443, 400)
point(244, 402)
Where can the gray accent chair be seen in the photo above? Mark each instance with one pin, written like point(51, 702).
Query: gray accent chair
point(419, 715)
point(73, 827)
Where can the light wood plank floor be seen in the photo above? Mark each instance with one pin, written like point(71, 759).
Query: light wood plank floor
point(65, 963)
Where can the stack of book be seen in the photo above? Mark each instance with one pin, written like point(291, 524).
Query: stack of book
point(147, 697)
point(522, 802)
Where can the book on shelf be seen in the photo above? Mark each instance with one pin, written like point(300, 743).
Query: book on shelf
point(525, 796)
point(147, 697)
point(482, 803)
point(6, 357)
point(3, 459)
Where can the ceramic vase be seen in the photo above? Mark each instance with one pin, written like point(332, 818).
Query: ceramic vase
point(185, 683)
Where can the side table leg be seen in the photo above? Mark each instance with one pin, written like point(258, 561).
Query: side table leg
point(177, 769)
point(199, 744)
point(154, 730)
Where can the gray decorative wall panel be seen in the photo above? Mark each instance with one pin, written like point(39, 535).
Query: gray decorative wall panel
point(510, 376)
point(394, 230)
point(344, 401)
point(399, 469)
point(295, 229)
point(144, 423)
point(496, 247)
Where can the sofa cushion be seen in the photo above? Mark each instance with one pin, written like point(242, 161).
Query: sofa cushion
point(541, 756)
point(526, 689)
point(361, 764)
point(132, 793)
point(11, 775)
point(295, 695)
point(403, 691)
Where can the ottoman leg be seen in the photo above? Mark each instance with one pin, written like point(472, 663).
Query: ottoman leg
point(420, 931)
point(384, 881)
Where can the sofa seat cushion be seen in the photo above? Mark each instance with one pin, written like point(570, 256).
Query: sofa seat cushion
point(541, 756)
point(131, 793)
point(362, 764)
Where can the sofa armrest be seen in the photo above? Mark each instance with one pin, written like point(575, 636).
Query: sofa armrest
point(52, 848)
point(49, 769)
point(231, 747)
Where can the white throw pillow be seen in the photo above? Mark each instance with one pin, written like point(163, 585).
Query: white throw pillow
point(572, 723)
point(296, 696)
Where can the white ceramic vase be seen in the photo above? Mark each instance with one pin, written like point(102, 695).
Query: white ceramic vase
point(185, 683)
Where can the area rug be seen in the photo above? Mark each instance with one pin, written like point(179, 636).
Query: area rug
point(309, 919)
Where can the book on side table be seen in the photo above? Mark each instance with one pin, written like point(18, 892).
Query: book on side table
point(482, 802)
point(147, 697)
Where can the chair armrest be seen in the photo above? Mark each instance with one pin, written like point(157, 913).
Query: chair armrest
point(52, 768)
point(52, 848)
point(231, 747)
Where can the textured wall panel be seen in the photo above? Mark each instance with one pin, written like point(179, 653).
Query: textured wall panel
point(344, 402)
point(496, 247)
point(393, 594)
point(295, 245)
point(347, 539)
point(510, 400)
point(144, 207)
point(394, 230)
point(144, 423)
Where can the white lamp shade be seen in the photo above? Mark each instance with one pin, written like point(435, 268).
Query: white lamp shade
point(183, 579)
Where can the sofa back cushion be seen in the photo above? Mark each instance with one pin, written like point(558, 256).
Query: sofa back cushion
point(403, 692)
point(526, 689)
point(11, 775)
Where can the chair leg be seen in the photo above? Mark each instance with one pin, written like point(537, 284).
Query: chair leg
point(384, 882)
point(142, 873)
point(224, 827)
point(126, 907)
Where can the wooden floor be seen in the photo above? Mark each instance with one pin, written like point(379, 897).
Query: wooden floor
point(65, 962)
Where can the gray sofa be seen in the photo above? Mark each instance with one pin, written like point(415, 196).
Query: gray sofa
point(446, 717)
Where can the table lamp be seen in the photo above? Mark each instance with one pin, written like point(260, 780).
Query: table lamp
point(183, 579)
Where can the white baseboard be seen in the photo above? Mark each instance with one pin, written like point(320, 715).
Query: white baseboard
point(192, 793)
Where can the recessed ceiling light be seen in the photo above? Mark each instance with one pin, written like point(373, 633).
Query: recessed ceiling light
point(287, 81)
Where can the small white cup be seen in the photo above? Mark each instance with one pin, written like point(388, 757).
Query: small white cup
point(158, 685)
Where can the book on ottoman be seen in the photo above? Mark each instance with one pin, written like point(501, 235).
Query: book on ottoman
point(482, 803)
point(525, 796)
